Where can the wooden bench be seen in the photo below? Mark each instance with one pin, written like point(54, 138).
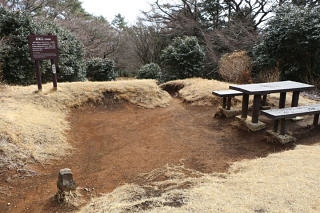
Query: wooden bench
point(285, 113)
point(226, 95)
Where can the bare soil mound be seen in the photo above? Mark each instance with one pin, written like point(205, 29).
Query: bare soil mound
point(115, 143)
point(33, 125)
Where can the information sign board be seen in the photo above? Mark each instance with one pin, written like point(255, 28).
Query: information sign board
point(43, 47)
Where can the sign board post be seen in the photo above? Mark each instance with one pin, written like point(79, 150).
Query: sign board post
point(44, 47)
point(54, 73)
point(38, 75)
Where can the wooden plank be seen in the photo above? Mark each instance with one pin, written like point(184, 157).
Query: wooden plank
point(226, 93)
point(292, 111)
point(272, 87)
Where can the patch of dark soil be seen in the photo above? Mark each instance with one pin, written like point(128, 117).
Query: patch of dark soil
point(143, 206)
point(172, 89)
point(176, 201)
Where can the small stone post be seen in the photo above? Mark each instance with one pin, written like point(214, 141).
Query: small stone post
point(65, 184)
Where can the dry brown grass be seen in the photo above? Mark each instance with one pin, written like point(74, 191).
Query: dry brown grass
point(236, 67)
point(198, 91)
point(33, 125)
point(282, 182)
point(271, 75)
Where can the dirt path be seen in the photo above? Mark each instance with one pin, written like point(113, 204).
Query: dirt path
point(114, 145)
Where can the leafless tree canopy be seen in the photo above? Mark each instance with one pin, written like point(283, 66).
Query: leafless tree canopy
point(98, 37)
point(148, 42)
point(210, 13)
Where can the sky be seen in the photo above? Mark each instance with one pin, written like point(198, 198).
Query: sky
point(130, 9)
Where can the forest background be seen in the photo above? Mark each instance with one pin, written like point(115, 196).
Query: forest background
point(239, 41)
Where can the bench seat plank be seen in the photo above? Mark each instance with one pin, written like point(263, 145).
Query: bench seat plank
point(292, 111)
point(227, 93)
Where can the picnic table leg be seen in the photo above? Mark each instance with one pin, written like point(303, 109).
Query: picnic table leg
point(275, 125)
point(224, 103)
point(316, 120)
point(264, 100)
point(295, 98)
point(245, 103)
point(283, 126)
point(256, 108)
point(229, 103)
point(282, 102)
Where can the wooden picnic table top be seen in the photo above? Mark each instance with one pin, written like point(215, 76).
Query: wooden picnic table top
point(272, 87)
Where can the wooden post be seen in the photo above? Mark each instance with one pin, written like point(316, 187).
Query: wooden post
point(282, 102)
point(38, 73)
point(229, 103)
point(256, 108)
point(316, 120)
point(245, 102)
point(283, 126)
point(275, 125)
point(264, 100)
point(224, 103)
point(54, 73)
point(295, 98)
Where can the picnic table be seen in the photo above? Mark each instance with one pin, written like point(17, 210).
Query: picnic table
point(262, 89)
